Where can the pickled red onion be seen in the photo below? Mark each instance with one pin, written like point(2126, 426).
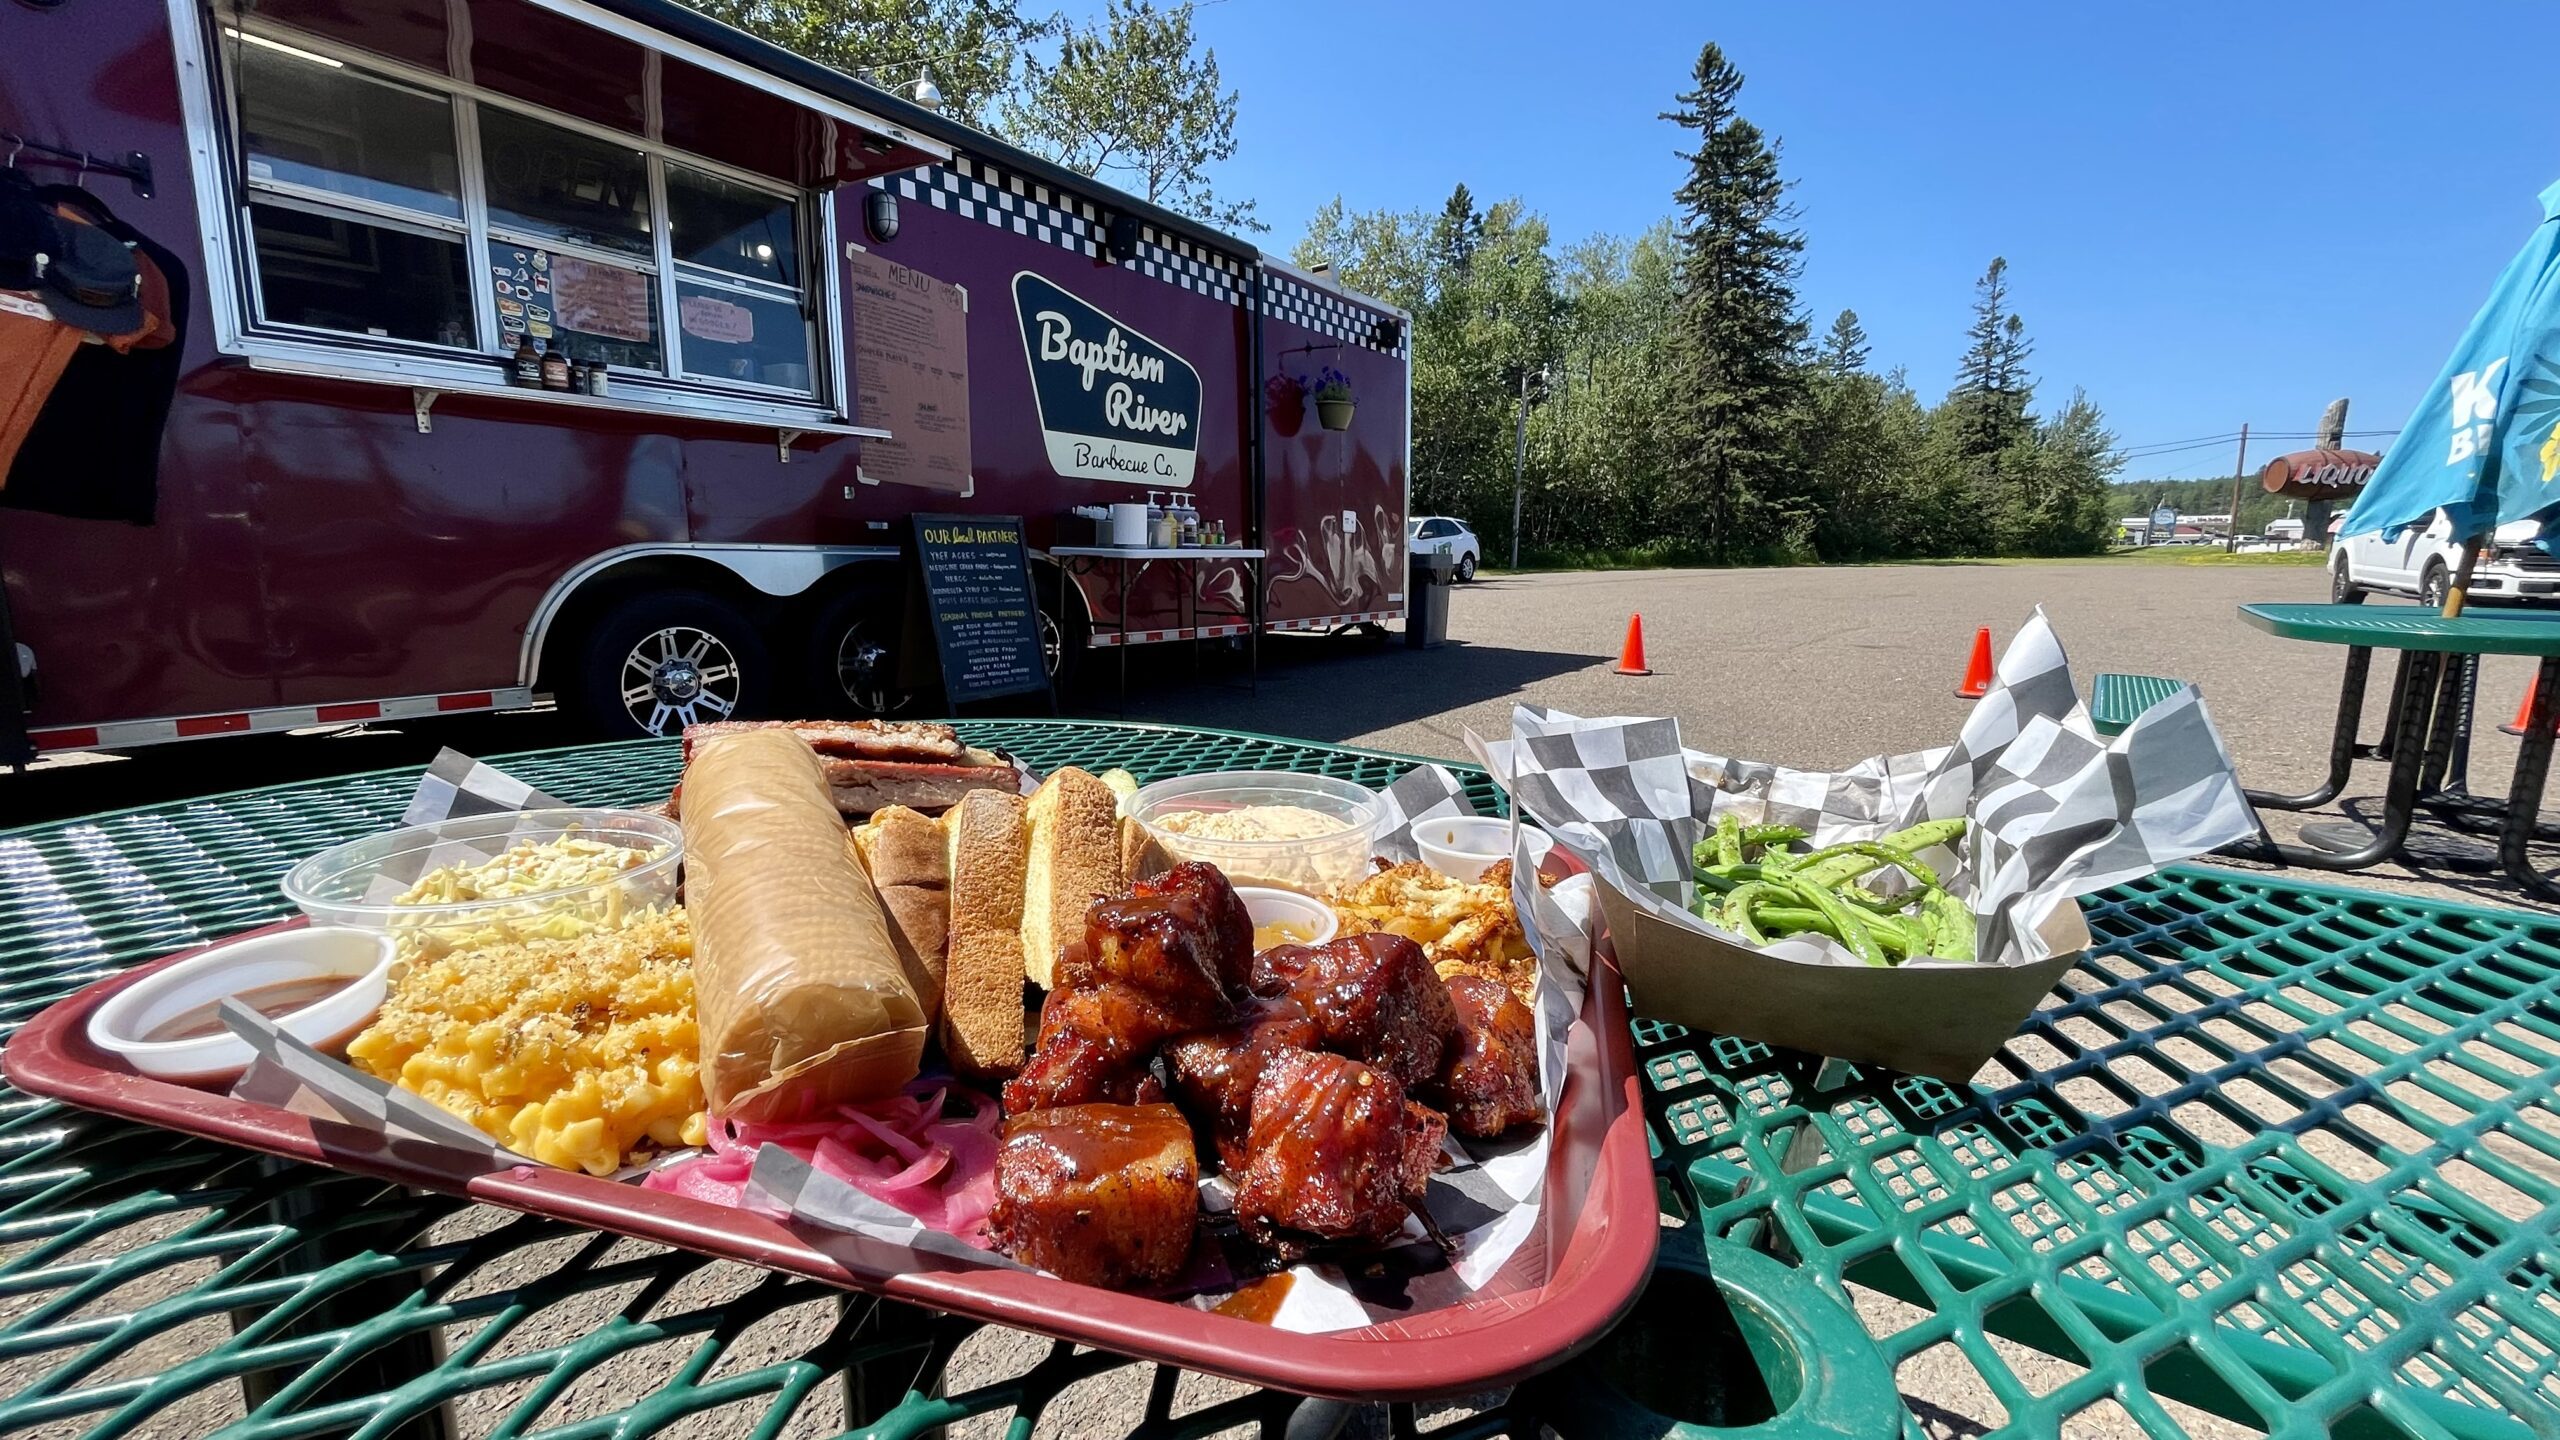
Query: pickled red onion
point(903, 1151)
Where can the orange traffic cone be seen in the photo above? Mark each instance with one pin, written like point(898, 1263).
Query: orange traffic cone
point(2524, 712)
point(1977, 672)
point(1631, 654)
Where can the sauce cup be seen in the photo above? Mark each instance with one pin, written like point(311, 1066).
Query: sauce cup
point(1463, 847)
point(287, 967)
point(1269, 905)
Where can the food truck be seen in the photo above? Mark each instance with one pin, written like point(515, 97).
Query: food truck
point(783, 312)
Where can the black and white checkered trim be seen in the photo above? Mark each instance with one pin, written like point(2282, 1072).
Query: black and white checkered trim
point(1328, 314)
point(979, 191)
point(976, 190)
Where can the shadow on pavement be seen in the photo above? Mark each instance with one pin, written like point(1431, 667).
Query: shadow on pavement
point(1313, 687)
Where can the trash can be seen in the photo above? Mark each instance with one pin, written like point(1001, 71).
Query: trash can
point(1428, 586)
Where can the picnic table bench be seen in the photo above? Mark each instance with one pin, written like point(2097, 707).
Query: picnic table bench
point(2284, 1153)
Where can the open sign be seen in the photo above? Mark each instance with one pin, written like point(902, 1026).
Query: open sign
point(2318, 474)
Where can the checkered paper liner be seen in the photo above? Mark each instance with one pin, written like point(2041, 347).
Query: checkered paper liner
point(2058, 811)
point(457, 787)
point(1485, 1198)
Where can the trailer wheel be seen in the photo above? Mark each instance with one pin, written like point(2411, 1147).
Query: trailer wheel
point(852, 664)
point(657, 663)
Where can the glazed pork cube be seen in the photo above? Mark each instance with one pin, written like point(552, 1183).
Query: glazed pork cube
point(1337, 1153)
point(1374, 998)
point(1100, 1194)
point(1491, 1081)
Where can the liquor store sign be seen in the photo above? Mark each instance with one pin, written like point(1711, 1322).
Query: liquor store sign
point(1114, 405)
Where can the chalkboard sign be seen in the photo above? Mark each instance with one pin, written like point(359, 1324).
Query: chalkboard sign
point(977, 597)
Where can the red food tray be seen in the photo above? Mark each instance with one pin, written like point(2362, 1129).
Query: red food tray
point(1550, 1302)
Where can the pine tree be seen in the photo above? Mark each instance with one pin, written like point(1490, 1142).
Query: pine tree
point(1740, 331)
point(1843, 351)
point(1459, 231)
point(1993, 388)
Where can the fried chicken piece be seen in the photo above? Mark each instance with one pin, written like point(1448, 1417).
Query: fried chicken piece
point(1214, 1072)
point(1146, 971)
point(1099, 1194)
point(1373, 997)
point(1337, 1153)
point(1491, 1081)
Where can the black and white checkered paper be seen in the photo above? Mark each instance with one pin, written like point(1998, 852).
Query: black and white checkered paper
point(2058, 811)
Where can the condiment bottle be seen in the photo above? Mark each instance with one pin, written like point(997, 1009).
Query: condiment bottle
point(596, 383)
point(555, 365)
point(577, 376)
point(527, 369)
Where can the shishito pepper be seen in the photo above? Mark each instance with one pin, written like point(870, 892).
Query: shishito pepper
point(1752, 885)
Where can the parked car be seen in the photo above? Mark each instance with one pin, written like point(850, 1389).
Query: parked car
point(1428, 533)
point(2420, 562)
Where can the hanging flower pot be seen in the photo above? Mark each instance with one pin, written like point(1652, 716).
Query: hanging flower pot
point(1331, 390)
point(1284, 402)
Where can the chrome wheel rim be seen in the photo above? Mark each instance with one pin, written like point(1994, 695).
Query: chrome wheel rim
point(681, 675)
point(863, 672)
point(1053, 642)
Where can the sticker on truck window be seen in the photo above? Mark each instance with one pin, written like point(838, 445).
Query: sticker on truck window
point(1114, 405)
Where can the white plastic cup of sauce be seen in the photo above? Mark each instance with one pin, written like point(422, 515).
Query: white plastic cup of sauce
point(318, 983)
point(1463, 847)
point(1285, 917)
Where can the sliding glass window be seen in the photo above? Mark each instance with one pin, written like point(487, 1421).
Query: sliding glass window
point(369, 197)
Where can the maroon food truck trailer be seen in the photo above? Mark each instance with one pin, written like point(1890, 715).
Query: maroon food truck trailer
point(814, 309)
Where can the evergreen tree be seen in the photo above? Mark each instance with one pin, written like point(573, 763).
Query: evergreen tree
point(1459, 231)
point(1843, 351)
point(1993, 388)
point(1739, 328)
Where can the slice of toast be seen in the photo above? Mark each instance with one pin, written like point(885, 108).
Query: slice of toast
point(1075, 859)
point(904, 854)
point(986, 847)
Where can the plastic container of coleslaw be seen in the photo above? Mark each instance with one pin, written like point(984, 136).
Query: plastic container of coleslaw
point(475, 880)
point(1308, 833)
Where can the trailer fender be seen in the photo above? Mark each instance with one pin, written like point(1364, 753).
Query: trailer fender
point(779, 571)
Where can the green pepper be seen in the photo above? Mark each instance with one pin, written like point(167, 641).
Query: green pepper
point(1770, 837)
point(1848, 926)
point(1728, 839)
point(1737, 910)
point(1838, 864)
point(1947, 925)
point(1927, 833)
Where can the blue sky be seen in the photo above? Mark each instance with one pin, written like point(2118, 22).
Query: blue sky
point(2212, 213)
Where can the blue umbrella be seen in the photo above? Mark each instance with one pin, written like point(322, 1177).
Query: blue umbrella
point(2484, 445)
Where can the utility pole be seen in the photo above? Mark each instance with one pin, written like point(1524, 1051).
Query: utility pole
point(2231, 536)
point(1519, 465)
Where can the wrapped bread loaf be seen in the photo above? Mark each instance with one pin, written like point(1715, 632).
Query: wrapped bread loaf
point(799, 990)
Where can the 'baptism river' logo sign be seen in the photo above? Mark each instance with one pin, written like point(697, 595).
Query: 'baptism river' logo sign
point(1114, 405)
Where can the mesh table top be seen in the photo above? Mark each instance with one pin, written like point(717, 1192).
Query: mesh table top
point(2406, 627)
point(2286, 1154)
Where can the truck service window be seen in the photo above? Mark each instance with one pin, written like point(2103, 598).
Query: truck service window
point(739, 304)
point(549, 183)
point(385, 201)
point(355, 199)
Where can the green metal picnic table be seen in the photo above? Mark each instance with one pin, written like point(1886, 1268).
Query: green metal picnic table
point(2286, 1154)
point(2429, 721)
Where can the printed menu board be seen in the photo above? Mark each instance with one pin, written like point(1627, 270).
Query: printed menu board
point(977, 594)
point(911, 374)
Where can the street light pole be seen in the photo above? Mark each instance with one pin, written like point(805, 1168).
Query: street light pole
point(1519, 464)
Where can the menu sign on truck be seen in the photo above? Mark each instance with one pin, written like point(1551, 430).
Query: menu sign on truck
point(977, 596)
point(910, 374)
point(1114, 405)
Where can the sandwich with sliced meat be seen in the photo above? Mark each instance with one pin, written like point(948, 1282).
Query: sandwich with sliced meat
point(871, 765)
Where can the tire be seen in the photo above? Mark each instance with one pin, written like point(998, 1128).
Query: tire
point(1466, 568)
point(1064, 633)
point(656, 663)
point(852, 661)
point(2343, 591)
point(2434, 585)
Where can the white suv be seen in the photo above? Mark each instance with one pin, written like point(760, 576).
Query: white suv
point(1426, 534)
point(2420, 561)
